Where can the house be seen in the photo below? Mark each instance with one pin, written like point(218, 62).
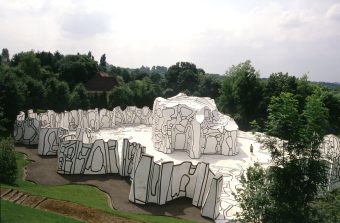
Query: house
point(101, 82)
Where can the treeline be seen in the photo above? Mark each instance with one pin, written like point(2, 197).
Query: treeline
point(45, 80)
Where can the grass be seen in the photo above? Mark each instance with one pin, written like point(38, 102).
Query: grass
point(25, 214)
point(82, 194)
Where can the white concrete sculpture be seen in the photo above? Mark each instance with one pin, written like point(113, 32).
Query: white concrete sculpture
point(50, 139)
point(212, 203)
point(161, 183)
point(131, 153)
point(192, 124)
point(330, 151)
point(76, 157)
point(133, 115)
point(26, 131)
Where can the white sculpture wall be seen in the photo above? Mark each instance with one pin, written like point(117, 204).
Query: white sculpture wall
point(192, 124)
point(50, 139)
point(72, 120)
point(26, 131)
point(330, 151)
point(161, 183)
point(76, 157)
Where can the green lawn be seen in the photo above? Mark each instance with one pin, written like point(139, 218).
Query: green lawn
point(25, 214)
point(82, 194)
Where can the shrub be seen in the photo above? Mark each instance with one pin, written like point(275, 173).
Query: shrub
point(8, 165)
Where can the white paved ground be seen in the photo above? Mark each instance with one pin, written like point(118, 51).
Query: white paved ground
point(231, 167)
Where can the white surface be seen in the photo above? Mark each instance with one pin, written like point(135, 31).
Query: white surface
point(231, 167)
point(192, 124)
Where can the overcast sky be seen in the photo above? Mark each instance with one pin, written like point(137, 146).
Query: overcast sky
point(298, 37)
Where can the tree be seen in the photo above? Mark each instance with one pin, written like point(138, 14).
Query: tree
point(144, 92)
point(76, 69)
point(57, 95)
point(103, 60)
point(4, 55)
point(12, 96)
point(209, 86)
point(29, 64)
point(316, 116)
point(8, 165)
point(297, 172)
point(183, 76)
point(120, 96)
point(241, 94)
point(35, 94)
point(79, 98)
point(252, 195)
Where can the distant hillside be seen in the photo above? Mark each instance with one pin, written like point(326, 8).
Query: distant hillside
point(333, 85)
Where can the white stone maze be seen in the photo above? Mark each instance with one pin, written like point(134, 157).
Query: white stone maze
point(183, 147)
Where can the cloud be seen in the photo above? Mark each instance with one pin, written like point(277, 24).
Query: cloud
point(84, 24)
point(334, 12)
point(295, 36)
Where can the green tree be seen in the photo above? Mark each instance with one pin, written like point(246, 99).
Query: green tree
point(103, 60)
point(4, 55)
point(241, 94)
point(79, 98)
point(8, 165)
point(316, 116)
point(120, 96)
point(76, 69)
point(57, 95)
point(209, 86)
point(35, 94)
point(252, 195)
point(183, 76)
point(297, 172)
point(144, 92)
point(12, 96)
point(29, 64)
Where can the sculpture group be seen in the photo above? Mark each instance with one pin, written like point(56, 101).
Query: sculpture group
point(184, 123)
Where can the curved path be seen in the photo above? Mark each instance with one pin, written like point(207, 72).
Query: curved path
point(44, 171)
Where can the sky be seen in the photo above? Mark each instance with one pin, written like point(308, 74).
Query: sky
point(298, 37)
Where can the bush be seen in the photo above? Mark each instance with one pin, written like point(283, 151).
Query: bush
point(8, 165)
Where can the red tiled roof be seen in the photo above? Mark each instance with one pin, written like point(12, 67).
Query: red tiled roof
point(101, 82)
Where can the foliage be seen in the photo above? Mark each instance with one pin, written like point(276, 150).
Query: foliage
point(12, 96)
point(8, 165)
point(144, 92)
point(252, 195)
point(57, 94)
point(120, 96)
point(241, 94)
point(327, 207)
point(76, 69)
point(11, 212)
point(297, 172)
point(79, 98)
point(183, 76)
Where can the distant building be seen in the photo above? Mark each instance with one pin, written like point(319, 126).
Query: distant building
point(101, 82)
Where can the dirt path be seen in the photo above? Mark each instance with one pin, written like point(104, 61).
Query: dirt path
point(43, 170)
point(70, 209)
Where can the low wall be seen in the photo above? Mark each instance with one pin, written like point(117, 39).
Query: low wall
point(50, 139)
point(94, 119)
point(150, 182)
point(27, 131)
point(99, 157)
point(75, 119)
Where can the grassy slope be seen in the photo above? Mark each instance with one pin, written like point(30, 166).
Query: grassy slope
point(27, 214)
point(81, 194)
